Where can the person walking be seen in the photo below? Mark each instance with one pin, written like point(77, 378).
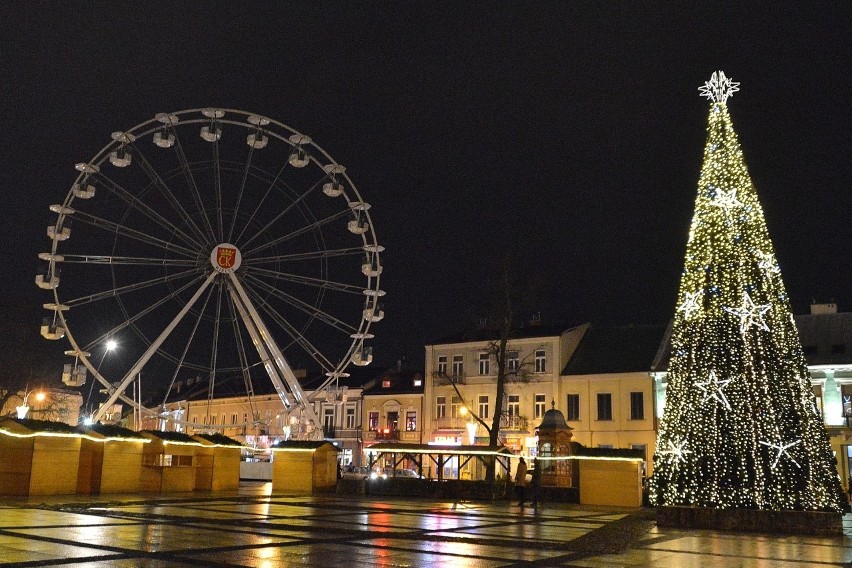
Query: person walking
point(535, 482)
point(521, 482)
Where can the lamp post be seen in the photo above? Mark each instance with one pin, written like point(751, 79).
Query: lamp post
point(25, 408)
point(110, 345)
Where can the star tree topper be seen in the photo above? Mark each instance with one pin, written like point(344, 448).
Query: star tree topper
point(712, 388)
point(718, 88)
point(750, 314)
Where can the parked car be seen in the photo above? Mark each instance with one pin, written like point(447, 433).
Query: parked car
point(361, 473)
point(409, 473)
point(356, 472)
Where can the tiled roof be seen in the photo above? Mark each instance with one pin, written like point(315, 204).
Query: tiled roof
point(621, 349)
point(400, 382)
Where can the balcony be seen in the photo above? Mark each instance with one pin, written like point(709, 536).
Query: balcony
point(442, 379)
point(514, 422)
point(447, 423)
point(385, 435)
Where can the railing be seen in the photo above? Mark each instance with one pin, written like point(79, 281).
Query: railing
point(447, 423)
point(387, 434)
point(514, 422)
point(441, 378)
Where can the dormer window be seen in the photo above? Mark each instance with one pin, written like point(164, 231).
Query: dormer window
point(418, 382)
point(386, 384)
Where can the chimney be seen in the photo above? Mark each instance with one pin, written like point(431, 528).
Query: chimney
point(821, 309)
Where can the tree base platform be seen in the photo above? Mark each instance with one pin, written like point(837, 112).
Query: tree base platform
point(752, 520)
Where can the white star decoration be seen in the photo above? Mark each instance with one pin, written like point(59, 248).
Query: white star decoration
point(689, 306)
point(677, 451)
point(766, 261)
point(718, 88)
point(750, 314)
point(782, 449)
point(712, 388)
point(726, 200)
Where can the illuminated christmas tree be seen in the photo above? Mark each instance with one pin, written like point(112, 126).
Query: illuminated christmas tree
point(741, 427)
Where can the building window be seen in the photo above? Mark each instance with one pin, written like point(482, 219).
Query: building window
point(441, 407)
point(540, 361)
point(442, 364)
point(417, 382)
point(513, 406)
point(642, 447)
point(233, 419)
point(458, 365)
point(386, 384)
point(484, 364)
point(455, 405)
point(411, 421)
point(483, 406)
point(350, 417)
point(213, 420)
point(604, 406)
point(606, 446)
point(573, 407)
point(512, 361)
point(637, 406)
point(374, 421)
point(328, 418)
point(540, 404)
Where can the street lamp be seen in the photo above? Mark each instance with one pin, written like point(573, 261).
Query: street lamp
point(24, 408)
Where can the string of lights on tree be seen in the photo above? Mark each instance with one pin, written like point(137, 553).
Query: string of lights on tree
point(741, 427)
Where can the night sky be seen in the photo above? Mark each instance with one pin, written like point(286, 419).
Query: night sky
point(570, 132)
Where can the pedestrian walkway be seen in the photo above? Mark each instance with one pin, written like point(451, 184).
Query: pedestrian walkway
point(254, 528)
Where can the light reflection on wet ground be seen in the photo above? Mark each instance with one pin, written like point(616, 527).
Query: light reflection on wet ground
point(253, 528)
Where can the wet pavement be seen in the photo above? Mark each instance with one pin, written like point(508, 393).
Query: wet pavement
point(255, 528)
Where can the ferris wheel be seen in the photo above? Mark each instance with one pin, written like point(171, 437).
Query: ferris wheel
point(212, 245)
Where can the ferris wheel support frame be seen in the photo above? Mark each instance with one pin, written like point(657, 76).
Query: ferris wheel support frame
point(266, 347)
point(155, 345)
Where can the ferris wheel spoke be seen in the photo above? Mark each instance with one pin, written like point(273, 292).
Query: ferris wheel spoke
point(260, 204)
point(214, 348)
point(168, 194)
point(217, 189)
point(193, 188)
point(283, 212)
point(304, 307)
point(126, 260)
point(310, 281)
point(268, 350)
point(179, 364)
point(310, 255)
point(110, 293)
point(301, 231)
point(239, 201)
point(241, 352)
point(128, 321)
point(112, 227)
point(152, 348)
point(298, 338)
point(138, 205)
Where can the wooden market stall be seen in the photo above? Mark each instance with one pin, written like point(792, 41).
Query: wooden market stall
point(110, 460)
point(38, 457)
point(168, 462)
point(304, 467)
point(217, 463)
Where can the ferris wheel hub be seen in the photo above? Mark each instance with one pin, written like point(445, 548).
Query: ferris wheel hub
point(225, 258)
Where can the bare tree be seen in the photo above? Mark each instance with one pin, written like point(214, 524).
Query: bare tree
point(27, 361)
point(512, 297)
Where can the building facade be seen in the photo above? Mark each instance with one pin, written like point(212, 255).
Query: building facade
point(461, 373)
point(393, 409)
